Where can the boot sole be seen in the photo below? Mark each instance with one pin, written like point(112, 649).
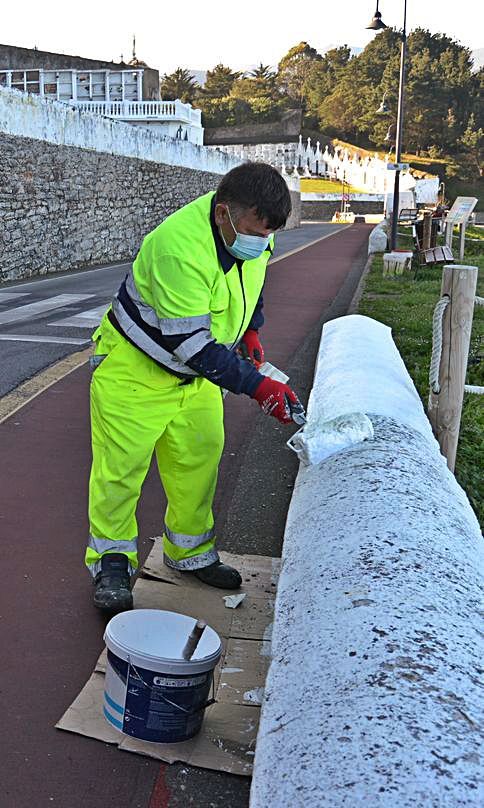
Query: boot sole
point(114, 608)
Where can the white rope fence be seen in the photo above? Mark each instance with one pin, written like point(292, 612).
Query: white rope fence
point(437, 321)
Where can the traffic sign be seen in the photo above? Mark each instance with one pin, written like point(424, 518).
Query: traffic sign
point(398, 166)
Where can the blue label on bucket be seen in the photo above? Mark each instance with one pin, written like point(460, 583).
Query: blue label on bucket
point(161, 707)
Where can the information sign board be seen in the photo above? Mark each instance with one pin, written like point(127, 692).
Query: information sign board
point(461, 209)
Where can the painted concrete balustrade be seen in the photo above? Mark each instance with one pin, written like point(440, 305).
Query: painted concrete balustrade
point(372, 697)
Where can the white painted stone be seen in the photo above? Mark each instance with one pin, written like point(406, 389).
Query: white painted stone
point(39, 118)
point(378, 240)
point(372, 696)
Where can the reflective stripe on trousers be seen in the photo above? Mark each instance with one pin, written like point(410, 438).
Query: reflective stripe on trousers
point(194, 563)
point(186, 541)
point(185, 552)
point(96, 548)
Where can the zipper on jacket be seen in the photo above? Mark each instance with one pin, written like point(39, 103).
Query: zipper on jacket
point(241, 279)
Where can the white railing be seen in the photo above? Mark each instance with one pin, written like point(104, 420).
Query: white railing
point(142, 110)
point(369, 174)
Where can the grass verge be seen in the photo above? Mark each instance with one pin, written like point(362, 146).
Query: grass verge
point(313, 186)
point(406, 305)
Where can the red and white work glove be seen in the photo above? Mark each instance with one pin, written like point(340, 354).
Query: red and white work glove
point(274, 398)
point(250, 348)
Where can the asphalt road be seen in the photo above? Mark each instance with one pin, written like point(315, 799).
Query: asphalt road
point(44, 320)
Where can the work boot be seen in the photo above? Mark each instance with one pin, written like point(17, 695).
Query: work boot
point(113, 585)
point(220, 575)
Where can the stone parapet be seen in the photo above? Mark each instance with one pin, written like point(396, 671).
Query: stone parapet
point(373, 693)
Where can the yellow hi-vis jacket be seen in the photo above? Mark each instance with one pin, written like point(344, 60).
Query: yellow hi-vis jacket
point(187, 302)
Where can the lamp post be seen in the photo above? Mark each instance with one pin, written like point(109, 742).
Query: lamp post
point(377, 24)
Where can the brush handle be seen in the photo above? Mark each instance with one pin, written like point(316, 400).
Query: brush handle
point(194, 639)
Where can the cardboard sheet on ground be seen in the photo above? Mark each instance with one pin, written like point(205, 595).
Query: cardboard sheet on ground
point(226, 742)
point(259, 573)
point(227, 739)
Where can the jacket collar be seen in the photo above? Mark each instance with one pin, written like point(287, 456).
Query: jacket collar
point(223, 254)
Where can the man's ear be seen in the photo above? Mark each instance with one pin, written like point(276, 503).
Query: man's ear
point(221, 215)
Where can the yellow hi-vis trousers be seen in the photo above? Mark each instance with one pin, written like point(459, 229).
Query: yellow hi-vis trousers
point(138, 408)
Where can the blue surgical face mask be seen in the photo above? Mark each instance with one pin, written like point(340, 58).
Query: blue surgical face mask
point(245, 247)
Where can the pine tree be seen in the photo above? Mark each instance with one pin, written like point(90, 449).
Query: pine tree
point(179, 84)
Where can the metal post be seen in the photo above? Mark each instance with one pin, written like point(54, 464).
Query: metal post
point(445, 407)
point(398, 144)
point(462, 240)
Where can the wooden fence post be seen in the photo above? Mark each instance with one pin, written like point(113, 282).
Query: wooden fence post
point(427, 231)
point(445, 408)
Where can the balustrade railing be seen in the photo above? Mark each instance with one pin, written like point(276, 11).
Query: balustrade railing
point(131, 110)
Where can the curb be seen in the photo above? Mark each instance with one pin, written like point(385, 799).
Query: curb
point(355, 300)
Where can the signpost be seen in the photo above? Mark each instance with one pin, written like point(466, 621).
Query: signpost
point(459, 215)
point(398, 166)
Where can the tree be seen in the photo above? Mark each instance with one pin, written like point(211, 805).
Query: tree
point(180, 84)
point(440, 92)
point(225, 112)
point(472, 141)
point(219, 82)
point(262, 72)
point(324, 75)
point(294, 69)
point(350, 107)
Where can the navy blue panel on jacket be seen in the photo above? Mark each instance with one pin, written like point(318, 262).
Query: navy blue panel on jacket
point(215, 362)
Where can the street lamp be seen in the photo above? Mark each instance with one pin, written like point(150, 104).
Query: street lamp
point(377, 24)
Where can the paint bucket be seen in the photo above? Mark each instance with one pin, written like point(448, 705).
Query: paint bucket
point(151, 691)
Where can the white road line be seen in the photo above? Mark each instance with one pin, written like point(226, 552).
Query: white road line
point(8, 296)
point(36, 338)
point(68, 275)
point(85, 319)
point(32, 309)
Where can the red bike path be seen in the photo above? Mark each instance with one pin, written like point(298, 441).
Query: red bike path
point(51, 634)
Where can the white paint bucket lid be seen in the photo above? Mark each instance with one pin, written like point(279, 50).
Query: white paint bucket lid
point(154, 639)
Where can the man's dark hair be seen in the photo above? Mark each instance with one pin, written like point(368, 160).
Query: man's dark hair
point(257, 186)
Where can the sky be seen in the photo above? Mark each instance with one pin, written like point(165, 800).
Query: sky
point(198, 35)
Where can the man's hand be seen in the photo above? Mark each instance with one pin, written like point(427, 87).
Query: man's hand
point(251, 348)
point(274, 397)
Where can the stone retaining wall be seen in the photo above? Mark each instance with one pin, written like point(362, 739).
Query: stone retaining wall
point(324, 211)
point(78, 189)
point(64, 208)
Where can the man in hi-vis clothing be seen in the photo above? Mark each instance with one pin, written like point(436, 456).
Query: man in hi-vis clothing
point(168, 345)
